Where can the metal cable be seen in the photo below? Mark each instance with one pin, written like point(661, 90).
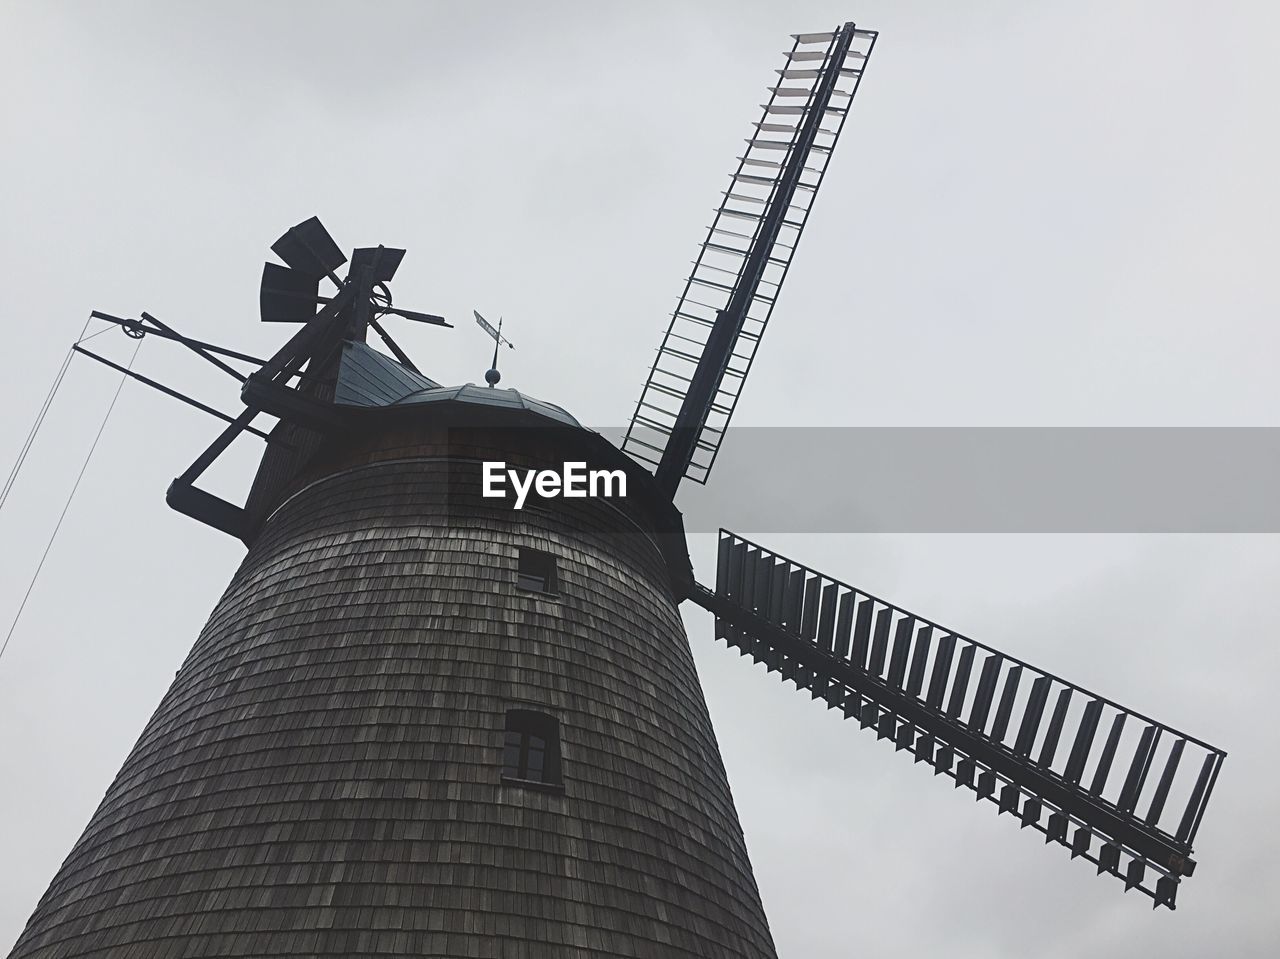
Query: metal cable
point(75, 486)
point(44, 409)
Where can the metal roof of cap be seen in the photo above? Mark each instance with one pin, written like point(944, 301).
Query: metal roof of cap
point(490, 396)
point(368, 378)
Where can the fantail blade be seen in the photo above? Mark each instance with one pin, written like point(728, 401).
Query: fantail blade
point(420, 317)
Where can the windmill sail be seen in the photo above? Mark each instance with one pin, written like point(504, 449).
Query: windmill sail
point(1121, 790)
point(707, 351)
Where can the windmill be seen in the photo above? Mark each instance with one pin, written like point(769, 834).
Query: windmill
point(420, 721)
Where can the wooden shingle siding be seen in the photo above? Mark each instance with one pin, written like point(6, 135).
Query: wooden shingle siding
point(323, 778)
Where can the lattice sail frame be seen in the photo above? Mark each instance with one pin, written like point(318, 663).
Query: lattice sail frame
point(910, 680)
point(740, 236)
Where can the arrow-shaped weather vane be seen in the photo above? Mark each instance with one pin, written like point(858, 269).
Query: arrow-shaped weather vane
point(491, 375)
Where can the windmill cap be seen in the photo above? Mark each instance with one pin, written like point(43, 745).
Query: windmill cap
point(369, 379)
point(491, 397)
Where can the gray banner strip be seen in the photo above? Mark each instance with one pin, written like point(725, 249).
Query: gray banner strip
point(990, 480)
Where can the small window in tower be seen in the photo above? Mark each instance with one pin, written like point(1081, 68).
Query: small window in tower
point(536, 571)
point(531, 749)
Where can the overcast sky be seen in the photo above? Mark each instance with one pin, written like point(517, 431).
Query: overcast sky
point(1039, 214)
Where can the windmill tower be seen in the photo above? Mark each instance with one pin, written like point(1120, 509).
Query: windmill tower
point(424, 721)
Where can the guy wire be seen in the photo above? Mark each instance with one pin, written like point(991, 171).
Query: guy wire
point(75, 486)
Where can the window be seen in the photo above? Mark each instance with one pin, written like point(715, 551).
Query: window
point(536, 571)
point(531, 749)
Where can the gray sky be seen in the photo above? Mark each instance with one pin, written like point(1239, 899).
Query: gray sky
point(1048, 214)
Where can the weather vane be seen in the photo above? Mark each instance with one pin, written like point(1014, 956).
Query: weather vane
point(491, 375)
